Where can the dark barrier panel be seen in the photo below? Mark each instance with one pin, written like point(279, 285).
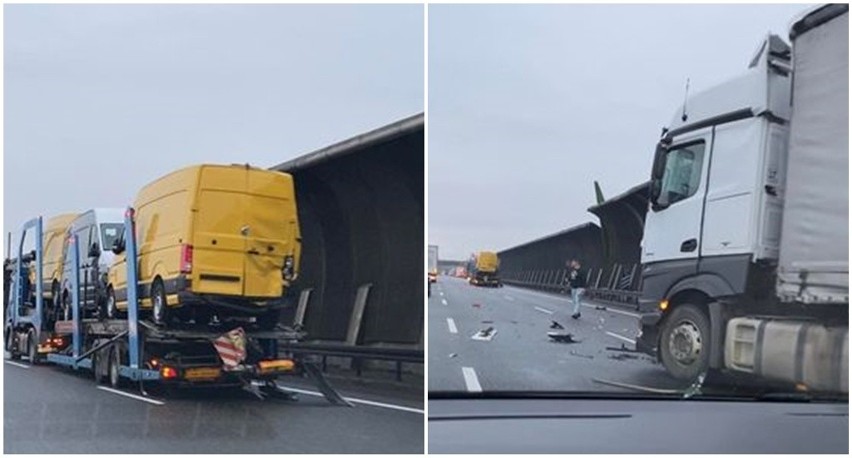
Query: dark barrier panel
point(541, 263)
point(361, 214)
point(622, 223)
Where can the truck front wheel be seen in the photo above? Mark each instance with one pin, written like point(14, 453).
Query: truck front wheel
point(685, 342)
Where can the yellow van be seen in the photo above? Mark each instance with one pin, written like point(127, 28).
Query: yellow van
point(52, 244)
point(212, 239)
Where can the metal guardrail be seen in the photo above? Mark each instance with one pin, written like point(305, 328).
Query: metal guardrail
point(618, 284)
point(356, 353)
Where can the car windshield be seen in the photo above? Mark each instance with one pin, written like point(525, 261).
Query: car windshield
point(557, 276)
point(110, 232)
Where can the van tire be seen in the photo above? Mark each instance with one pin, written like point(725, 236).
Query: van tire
point(10, 345)
point(56, 299)
point(112, 311)
point(113, 367)
point(159, 304)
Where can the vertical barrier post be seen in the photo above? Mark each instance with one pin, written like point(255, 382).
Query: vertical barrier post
point(132, 289)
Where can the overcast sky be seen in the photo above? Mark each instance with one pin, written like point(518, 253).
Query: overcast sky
point(529, 104)
point(100, 100)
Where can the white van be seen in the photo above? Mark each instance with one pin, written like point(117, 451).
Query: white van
point(96, 230)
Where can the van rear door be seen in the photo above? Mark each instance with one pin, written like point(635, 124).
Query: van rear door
point(271, 230)
point(219, 247)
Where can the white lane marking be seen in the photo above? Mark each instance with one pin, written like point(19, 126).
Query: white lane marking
point(549, 312)
point(441, 292)
point(17, 364)
point(444, 301)
point(470, 380)
point(617, 336)
point(452, 325)
point(357, 401)
point(509, 298)
point(131, 395)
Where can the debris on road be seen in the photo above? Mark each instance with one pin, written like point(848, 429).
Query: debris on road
point(485, 334)
point(574, 353)
point(476, 305)
point(646, 389)
point(623, 348)
point(562, 337)
point(487, 321)
point(453, 355)
point(555, 325)
point(600, 307)
point(623, 356)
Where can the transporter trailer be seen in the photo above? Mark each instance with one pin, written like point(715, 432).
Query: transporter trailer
point(131, 350)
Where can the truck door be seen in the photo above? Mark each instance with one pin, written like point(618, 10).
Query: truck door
point(673, 226)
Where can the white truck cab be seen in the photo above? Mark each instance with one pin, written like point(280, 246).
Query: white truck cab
point(739, 162)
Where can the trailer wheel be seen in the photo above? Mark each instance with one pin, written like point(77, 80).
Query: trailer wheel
point(160, 305)
point(10, 345)
point(685, 342)
point(114, 365)
point(32, 347)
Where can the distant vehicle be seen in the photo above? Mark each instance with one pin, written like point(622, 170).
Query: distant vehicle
point(433, 263)
point(745, 250)
point(213, 240)
point(95, 229)
point(483, 269)
point(460, 272)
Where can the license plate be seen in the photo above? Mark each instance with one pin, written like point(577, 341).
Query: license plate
point(276, 365)
point(202, 373)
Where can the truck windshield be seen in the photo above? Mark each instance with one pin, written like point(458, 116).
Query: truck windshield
point(109, 233)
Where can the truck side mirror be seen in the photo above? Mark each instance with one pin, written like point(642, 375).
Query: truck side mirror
point(659, 167)
point(94, 250)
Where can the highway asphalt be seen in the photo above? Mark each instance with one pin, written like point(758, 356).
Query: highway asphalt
point(520, 355)
point(52, 410)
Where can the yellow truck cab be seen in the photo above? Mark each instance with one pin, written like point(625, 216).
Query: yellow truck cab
point(212, 240)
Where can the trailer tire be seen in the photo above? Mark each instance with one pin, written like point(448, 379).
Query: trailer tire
point(32, 347)
point(10, 345)
point(685, 342)
point(114, 366)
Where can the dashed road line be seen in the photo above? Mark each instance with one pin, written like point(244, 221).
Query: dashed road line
point(25, 366)
point(366, 402)
point(549, 312)
point(452, 325)
point(470, 380)
point(444, 301)
point(131, 395)
point(618, 336)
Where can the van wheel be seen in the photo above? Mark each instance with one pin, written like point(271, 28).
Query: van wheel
point(66, 306)
point(158, 299)
point(685, 342)
point(111, 306)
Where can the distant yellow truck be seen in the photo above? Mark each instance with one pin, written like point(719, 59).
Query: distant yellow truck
point(483, 269)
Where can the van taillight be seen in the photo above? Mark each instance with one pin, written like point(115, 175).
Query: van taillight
point(185, 259)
